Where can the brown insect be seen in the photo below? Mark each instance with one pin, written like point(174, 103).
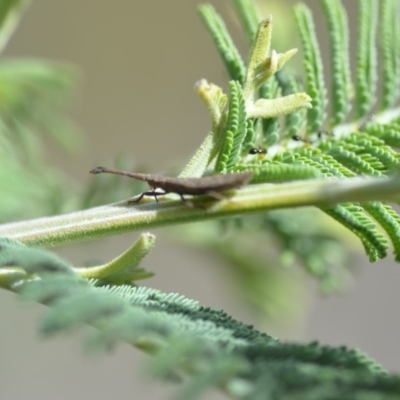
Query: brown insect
point(209, 185)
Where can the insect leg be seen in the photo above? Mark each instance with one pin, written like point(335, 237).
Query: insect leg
point(216, 195)
point(152, 193)
point(136, 199)
point(187, 202)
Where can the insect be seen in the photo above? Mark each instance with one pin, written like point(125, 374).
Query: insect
point(323, 132)
point(300, 139)
point(258, 150)
point(209, 185)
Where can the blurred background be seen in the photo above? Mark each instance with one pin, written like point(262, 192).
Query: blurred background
point(138, 63)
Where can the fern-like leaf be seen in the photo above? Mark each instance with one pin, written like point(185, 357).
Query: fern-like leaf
point(366, 57)
point(389, 221)
point(278, 172)
point(222, 40)
point(185, 338)
point(250, 17)
point(313, 68)
point(390, 52)
point(342, 91)
point(235, 130)
point(353, 218)
point(367, 148)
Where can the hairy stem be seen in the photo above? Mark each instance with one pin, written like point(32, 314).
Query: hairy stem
point(120, 217)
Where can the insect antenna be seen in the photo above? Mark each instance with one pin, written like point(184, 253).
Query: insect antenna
point(105, 170)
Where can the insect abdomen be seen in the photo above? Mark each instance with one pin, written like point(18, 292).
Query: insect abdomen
point(200, 186)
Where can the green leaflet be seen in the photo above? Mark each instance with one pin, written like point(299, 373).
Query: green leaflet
point(33, 261)
point(389, 221)
point(295, 122)
point(339, 357)
point(393, 229)
point(270, 131)
point(327, 164)
point(361, 139)
point(222, 40)
point(355, 163)
point(337, 386)
point(278, 172)
point(389, 134)
point(235, 130)
point(10, 14)
point(353, 218)
point(342, 91)
point(54, 287)
point(389, 26)
point(385, 155)
point(236, 124)
point(249, 15)
point(250, 138)
point(383, 158)
point(6, 242)
point(270, 126)
point(366, 73)
point(313, 68)
point(224, 369)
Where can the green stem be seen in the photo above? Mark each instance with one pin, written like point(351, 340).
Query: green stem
point(120, 217)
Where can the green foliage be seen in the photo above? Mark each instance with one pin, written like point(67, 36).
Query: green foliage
point(278, 172)
point(266, 110)
point(365, 148)
point(33, 97)
point(367, 57)
point(294, 122)
point(342, 91)
point(249, 16)
point(10, 12)
point(186, 338)
point(222, 40)
point(354, 218)
point(389, 220)
point(390, 52)
point(235, 130)
point(313, 67)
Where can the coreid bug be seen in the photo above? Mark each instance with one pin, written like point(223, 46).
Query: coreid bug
point(209, 185)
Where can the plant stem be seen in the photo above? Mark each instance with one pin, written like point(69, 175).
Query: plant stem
point(122, 217)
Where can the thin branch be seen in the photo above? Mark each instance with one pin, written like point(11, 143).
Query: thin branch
point(120, 217)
